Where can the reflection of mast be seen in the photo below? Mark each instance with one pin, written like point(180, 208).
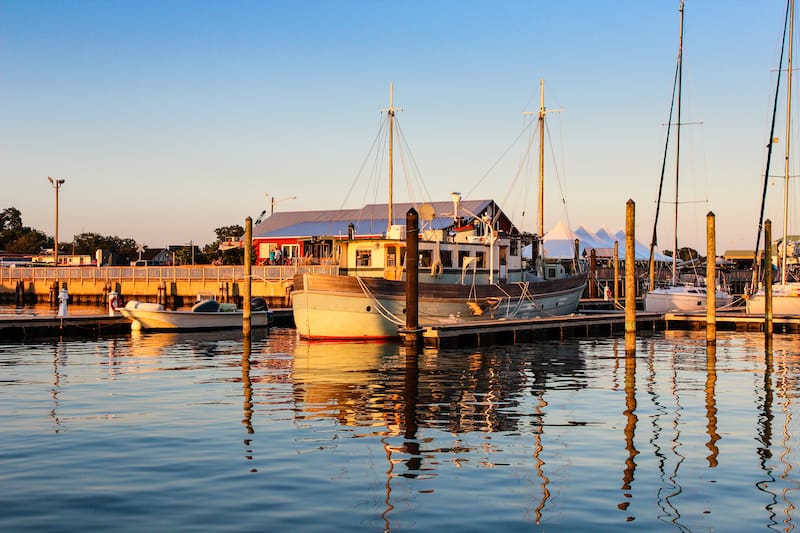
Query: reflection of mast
point(410, 428)
point(247, 407)
point(711, 404)
point(630, 430)
point(676, 444)
point(537, 450)
point(785, 391)
point(765, 436)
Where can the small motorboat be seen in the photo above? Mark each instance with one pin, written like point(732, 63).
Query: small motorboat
point(205, 314)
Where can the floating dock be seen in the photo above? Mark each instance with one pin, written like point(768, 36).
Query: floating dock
point(21, 327)
point(732, 321)
point(527, 330)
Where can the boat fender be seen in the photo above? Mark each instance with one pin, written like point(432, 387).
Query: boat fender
point(437, 269)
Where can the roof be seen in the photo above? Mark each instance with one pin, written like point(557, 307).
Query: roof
point(372, 219)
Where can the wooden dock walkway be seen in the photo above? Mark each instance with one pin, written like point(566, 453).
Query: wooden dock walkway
point(527, 330)
point(732, 321)
point(23, 327)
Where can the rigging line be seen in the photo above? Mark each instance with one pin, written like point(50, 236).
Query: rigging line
point(561, 186)
point(364, 163)
point(769, 146)
point(497, 162)
point(414, 166)
point(654, 239)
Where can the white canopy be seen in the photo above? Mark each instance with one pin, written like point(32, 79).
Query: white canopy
point(559, 243)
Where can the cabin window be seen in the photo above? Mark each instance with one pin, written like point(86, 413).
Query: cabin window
point(481, 259)
point(364, 258)
point(461, 256)
point(513, 248)
point(391, 256)
point(447, 258)
point(402, 256)
point(425, 258)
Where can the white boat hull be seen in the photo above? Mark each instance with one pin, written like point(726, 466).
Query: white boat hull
point(149, 317)
point(785, 300)
point(338, 311)
point(682, 299)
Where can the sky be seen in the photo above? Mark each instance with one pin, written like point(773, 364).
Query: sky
point(170, 119)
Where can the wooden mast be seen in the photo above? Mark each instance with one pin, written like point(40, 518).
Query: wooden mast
point(542, 113)
point(677, 152)
point(390, 111)
point(787, 148)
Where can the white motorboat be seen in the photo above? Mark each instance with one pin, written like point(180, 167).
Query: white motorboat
point(206, 314)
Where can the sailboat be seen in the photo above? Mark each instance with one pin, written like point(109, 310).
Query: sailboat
point(786, 291)
point(678, 296)
point(471, 268)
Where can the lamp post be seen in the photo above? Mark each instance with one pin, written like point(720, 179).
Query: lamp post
point(273, 201)
point(56, 184)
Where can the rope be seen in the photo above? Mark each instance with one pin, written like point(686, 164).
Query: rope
point(382, 309)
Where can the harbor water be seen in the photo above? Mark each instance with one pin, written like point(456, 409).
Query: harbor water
point(207, 431)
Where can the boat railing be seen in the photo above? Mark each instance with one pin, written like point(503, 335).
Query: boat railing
point(230, 273)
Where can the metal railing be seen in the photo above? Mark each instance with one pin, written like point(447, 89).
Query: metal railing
point(230, 273)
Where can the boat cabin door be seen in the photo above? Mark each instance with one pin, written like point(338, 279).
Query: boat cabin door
point(395, 256)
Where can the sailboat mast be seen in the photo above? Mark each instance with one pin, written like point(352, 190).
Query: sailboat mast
point(390, 112)
point(542, 113)
point(787, 148)
point(677, 151)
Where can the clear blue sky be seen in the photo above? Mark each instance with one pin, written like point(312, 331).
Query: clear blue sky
point(171, 118)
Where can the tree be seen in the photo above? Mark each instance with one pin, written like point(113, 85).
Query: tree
point(29, 241)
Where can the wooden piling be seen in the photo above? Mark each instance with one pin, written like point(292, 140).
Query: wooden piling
point(768, 281)
point(630, 277)
point(711, 279)
point(248, 275)
point(412, 334)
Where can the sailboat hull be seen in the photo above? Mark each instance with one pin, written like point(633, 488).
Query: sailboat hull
point(349, 307)
point(785, 300)
point(682, 299)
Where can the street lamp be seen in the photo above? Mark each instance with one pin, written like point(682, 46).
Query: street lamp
point(274, 201)
point(56, 184)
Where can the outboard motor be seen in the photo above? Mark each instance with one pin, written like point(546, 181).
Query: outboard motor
point(258, 304)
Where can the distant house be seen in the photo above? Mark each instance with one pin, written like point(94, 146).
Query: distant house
point(153, 257)
point(308, 236)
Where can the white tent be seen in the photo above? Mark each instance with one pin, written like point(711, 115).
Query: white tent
point(559, 243)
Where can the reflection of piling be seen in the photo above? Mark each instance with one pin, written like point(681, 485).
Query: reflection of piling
point(248, 275)
point(19, 293)
point(711, 279)
point(411, 334)
point(630, 277)
point(616, 274)
point(768, 281)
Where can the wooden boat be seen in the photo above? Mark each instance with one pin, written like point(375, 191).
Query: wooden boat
point(786, 289)
point(470, 270)
point(204, 315)
point(678, 295)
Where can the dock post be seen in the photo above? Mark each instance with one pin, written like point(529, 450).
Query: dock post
point(592, 273)
point(768, 281)
point(412, 334)
point(630, 277)
point(711, 279)
point(248, 268)
point(616, 274)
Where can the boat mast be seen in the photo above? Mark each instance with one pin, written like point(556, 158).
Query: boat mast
point(542, 113)
point(390, 112)
point(677, 151)
point(787, 148)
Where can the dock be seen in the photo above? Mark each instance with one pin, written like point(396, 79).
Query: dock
point(732, 321)
point(527, 330)
point(22, 327)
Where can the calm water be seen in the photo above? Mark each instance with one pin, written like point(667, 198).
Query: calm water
point(202, 431)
